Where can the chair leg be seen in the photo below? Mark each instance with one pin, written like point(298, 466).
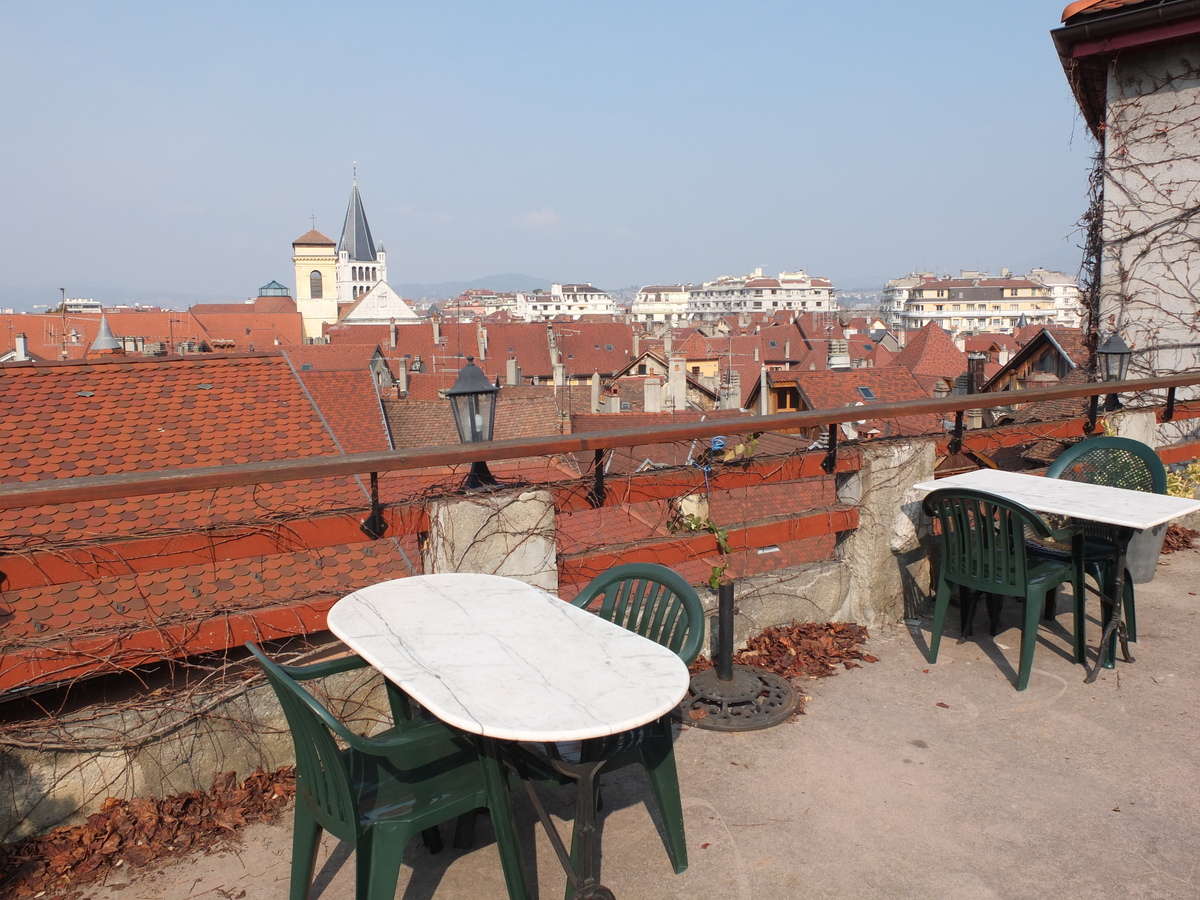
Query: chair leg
point(464, 830)
point(966, 612)
point(504, 825)
point(1079, 613)
point(306, 835)
point(1029, 630)
point(378, 855)
point(941, 606)
point(995, 603)
point(1050, 608)
point(658, 757)
point(432, 839)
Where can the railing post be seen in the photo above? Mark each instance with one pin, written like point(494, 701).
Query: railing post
point(375, 525)
point(596, 495)
point(1169, 412)
point(956, 441)
point(830, 461)
point(1093, 407)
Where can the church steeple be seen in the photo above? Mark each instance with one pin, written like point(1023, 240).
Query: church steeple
point(356, 241)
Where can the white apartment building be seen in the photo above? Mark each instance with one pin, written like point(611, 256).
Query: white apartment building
point(974, 302)
point(756, 293)
point(564, 300)
point(661, 303)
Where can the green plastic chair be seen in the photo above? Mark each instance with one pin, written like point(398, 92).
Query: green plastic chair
point(658, 604)
point(651, 600)
point(378, 792)
point(1116, 462)
point(983, 541)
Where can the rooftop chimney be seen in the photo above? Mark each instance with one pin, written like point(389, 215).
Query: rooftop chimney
point(653, 401)
point(22, 347)
point(513, 375)
point(437, 329)
point(596, 393)
point(402, 380)
point(764, 393)
point(677, 384)
point(392, 334)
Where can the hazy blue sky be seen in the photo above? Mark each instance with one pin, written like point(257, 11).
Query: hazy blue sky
point(178, 150)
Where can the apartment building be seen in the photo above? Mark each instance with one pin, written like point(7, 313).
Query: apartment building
point(758, 293)
point(564, 300)
point(974, 302)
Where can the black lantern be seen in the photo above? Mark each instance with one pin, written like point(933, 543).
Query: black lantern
point(1114, 356)
point(473, 401)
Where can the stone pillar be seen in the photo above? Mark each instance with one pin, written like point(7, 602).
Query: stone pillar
point(509, 534)
point(888, 563)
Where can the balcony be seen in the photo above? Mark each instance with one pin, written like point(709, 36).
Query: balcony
point(126, 598)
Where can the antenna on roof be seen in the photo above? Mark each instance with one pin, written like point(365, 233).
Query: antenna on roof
point(354, 166)
point(313, 217)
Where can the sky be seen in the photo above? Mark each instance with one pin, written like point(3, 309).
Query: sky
point(161, 150)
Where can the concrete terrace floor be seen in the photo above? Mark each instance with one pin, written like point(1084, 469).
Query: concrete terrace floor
point(903, 780)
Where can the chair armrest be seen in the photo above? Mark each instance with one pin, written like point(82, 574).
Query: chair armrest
point(324, 669)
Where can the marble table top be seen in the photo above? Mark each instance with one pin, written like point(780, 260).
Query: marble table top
point(497, 657)
point(1080, 500)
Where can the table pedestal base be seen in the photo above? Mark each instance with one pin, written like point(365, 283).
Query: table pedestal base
point(584, 877)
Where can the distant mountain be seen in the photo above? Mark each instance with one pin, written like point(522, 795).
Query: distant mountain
point(505, 283)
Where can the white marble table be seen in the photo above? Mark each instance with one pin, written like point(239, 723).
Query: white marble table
point(1124, 510)
point(500, 658)
point(1077, 499)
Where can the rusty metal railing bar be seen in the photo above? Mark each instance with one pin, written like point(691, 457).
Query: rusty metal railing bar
point(16, 495)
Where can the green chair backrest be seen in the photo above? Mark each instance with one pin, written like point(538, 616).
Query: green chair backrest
point(983, 539)
point(651, 600)
point(1113, 461)
point(322, 776)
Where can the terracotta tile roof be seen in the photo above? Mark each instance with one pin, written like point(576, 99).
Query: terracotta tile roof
point(42, 615)
point(521, 411)
point(134, 414)
point(585, 347)
point(248, 330)
point(1091, 7)
point(265, 305)
point(351, 408)
point(830, 390)
point(313, 238)
point(527, 342)
point(625, 524)
point(931, 352)
point(331, 357)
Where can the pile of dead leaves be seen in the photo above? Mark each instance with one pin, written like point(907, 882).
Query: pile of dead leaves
point(137, 832)
point(1178, 538)
point(803, 650)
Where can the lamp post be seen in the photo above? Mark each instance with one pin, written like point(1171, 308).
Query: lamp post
point(1114, 356)
point(473, 402)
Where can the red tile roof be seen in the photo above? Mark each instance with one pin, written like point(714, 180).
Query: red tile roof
point(586, 347)
point(351, 408)
point(247, 330)
point(931, 352)
point(831, 390)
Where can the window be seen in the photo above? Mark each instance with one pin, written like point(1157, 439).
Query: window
point(608, 346)
point(940, 307)
point(641, 368)
point(314, 285)
point(1013, 292)
point(866, 393)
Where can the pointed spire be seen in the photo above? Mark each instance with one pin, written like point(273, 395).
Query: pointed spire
point(356, 233)
point(104, 337)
